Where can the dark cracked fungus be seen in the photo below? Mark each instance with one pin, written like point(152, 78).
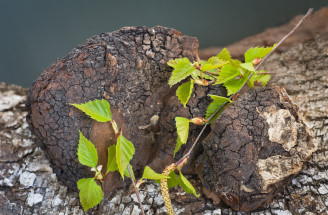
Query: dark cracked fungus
point(128, 68)
point(258, 145)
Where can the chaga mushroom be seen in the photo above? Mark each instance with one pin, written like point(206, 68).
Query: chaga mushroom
point(256, 147)
point(128, 68)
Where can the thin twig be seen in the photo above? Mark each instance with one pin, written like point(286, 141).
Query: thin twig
point(224, 104)
point(210, 74)
point(136, 190)
point(285, 37)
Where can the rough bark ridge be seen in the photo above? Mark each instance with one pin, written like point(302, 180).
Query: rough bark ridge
point(128, 68)
point(259, 143)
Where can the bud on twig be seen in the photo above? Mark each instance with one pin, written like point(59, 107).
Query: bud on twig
point(256, 61)
point(99, 175)
point(139, 183)
point(202, 82)
point(182, 163)
point(198, 120)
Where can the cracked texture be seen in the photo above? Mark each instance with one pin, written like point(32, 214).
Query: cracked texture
point(128, 68)
point(249, 159)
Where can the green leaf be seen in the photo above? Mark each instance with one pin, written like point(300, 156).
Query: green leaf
point(124, 153)
point(151, 174)
point(90, 193)
point(248, 66)
point(177, 146)
point(127, 174)
point(217, 102)
point(235, 63)
point(182, 125)
point(263, 78)
point(212, 63)
point(98, 110)
point(111, 162)
point(184, 92)
point(173, 180)
point(227, 73)
point(186, 185)
point(87, 152)
point(257, 52)
point(182, 69)
point(177, 61)
point(224, 55)
point(234, 85)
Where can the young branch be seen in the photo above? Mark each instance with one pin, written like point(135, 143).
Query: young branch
point(136, 191)
point(285, 37)
point(263, 60)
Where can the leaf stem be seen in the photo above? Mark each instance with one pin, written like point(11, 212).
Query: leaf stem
point(210, 73)
point(224, 104)
point(136, 191)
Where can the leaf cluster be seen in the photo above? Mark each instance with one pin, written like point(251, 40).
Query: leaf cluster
point(220, 69)
point(119, 155)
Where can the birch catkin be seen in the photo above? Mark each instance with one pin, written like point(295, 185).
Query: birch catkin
point(165, 189)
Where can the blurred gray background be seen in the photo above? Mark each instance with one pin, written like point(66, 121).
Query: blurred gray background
point(35, 33)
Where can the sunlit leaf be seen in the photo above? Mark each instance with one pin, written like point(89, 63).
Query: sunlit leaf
point(124, 153)
point(234, 85)
point(98, 110)
point(227, 73)
point(224, 55)
point(257, 52)
point(178, 146)
point(90, 193)
point(151, 174)
point(247, 66)
point(182, 69)
point(186, 185)
point(184, 92)
point(173, 180)
point(212, 63)
point(182, 125)
point(217, 102)
point(87, 152)
point(111, 162)
point(263, 78)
